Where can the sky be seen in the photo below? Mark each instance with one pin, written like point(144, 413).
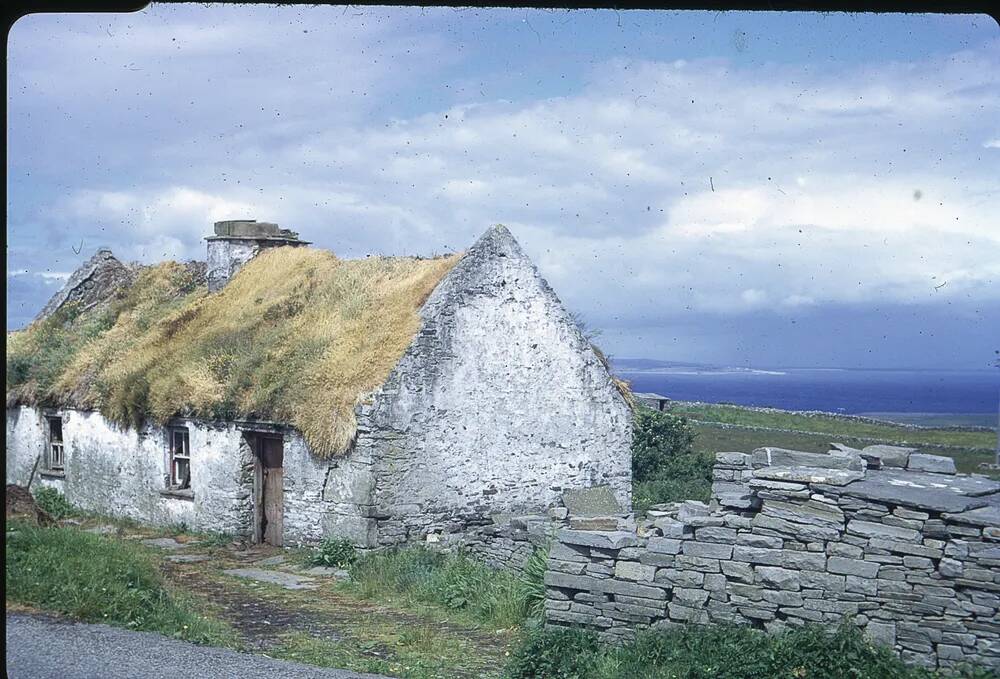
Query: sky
point(734, 188)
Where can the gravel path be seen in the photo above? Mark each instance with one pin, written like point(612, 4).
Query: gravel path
point(42, 647)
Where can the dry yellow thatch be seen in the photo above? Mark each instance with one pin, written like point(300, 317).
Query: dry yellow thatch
point(296, 336)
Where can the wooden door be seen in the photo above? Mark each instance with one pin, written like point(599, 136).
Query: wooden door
point(271, 495)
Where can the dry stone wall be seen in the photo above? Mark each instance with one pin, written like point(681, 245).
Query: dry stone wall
point(887, 537)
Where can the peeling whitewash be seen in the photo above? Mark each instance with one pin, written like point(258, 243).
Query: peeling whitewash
point(123, 472)
point(499, 405)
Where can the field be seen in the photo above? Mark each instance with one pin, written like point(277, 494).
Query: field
point(733, 428)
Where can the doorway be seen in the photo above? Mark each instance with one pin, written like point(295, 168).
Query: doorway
point(269, 476)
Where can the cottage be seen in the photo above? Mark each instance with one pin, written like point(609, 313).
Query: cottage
point(285, 395)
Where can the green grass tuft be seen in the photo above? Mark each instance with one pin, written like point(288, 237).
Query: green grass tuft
point(93, 579)
point(455, 582)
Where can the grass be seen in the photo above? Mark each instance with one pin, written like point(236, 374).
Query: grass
point(682, 469)
point(468, 589)
point(837, 427)
point(413, 651)
point(95, 579)
point(711, 437)
point(296, 336)
point(701, 652)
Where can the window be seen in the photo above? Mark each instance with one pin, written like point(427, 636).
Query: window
point(56, 454)
point(180, 459)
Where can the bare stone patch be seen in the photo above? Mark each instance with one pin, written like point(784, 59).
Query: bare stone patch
point(188, 558)
point(164, 543)
point(101, 530)
point(280, 578)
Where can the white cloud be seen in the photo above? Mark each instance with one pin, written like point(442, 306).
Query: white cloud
point(657, 187)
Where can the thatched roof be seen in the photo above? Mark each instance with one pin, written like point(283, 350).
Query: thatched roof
point(297, 336)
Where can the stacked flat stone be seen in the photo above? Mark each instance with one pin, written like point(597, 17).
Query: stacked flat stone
point(892, 539)
point(509, 541)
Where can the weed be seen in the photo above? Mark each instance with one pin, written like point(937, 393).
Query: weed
point(533, 581)
point(53, 503)
point(555, 653)
point(214, 540)
point(334, 551)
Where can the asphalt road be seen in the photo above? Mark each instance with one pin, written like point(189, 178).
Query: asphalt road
point(42, 647)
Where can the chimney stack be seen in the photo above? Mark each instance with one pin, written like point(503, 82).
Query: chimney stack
point(237, 241)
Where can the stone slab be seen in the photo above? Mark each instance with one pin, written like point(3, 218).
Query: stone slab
point(281, 578)
point(271, 561)
point(188, 558)
point(934, 492)
point(164, 543)
point(327, 572)
point(596, 501)
point(831, 477)
point(887, 456)
point(984, 516)
point(937, 464)
point(101, 530)
point(602, 539)
point(783, 457)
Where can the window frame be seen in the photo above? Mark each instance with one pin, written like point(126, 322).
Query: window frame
point(173, 482)
point(51, 445)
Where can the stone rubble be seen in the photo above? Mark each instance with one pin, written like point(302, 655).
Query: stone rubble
point(891, 538)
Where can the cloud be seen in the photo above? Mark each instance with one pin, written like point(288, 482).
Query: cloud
point(651, 190)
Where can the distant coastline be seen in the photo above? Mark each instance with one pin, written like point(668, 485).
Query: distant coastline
point(918, 397)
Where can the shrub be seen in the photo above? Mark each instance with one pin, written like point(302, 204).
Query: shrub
point(336, 552)
point(452, 581)
point(664, 467)
point(657, 437)
point(95, 579)
point(554, 653)
point(53, 503)
point(708, 652)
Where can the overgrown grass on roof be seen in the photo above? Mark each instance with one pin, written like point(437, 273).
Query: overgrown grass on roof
point(296, 336)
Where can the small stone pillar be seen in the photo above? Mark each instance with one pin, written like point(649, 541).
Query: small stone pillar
point(237, 241)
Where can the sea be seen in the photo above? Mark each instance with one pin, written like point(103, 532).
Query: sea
point(909, 395)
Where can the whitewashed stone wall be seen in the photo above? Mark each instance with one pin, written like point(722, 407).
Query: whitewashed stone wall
point(498, 406)
point(893, 540)
point(226, 257)
point(122, 472)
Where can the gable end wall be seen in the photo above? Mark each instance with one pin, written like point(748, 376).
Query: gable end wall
point(498, 405)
